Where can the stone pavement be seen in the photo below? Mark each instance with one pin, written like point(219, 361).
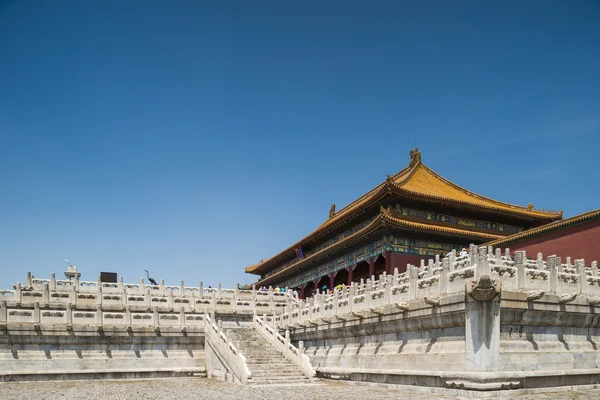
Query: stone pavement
point(205, 389)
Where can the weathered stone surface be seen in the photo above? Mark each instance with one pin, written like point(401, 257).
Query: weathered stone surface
point(207, 389)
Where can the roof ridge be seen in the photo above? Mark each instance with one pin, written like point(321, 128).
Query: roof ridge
point(478, 196)
point(547, 227)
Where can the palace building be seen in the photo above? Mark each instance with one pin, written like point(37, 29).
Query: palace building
point(412, 215)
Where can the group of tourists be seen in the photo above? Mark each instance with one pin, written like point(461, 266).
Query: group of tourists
point(277, 289)
point(462, 253)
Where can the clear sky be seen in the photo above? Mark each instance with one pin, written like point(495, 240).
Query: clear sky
point(194, 138)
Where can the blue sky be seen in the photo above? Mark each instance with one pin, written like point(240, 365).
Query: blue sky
point(194, 138)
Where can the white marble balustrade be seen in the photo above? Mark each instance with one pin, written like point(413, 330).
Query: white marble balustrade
point(96, 293)
point(449, 275)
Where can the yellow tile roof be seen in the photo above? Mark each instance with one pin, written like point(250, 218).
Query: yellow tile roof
point(423, 181)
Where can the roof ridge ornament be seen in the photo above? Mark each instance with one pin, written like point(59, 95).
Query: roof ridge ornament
point(332, 211)
point(415, 157)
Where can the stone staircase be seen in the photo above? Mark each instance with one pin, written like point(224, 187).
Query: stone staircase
point(266, 363)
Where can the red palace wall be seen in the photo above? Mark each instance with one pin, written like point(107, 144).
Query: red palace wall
point(582, 241)
point(399, 260)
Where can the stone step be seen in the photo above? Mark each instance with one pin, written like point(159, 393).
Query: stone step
point(287, 375)
point(266, 363)
point(263, 368)
point(265, 351)
point(278, 376)
point(262, 355)
point(266, 381)
point(262, 372)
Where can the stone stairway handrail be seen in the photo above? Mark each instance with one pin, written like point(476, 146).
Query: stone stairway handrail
point(294, 354)
point(233, 358)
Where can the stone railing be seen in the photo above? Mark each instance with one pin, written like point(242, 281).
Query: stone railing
point(446, 276)
point(75, 292)
point(230, 357)
point(294, 354)
point(100, 318)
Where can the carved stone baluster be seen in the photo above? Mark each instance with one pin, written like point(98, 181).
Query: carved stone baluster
point(519, 265)
point(481, 264)
point(472, 255)
point(170, 300)
point(45, 295)
point(540, 262)
point(553, 274)
point(18, 293)
point(559, 266)
point(443, 280)
point(583, 283)
point(412, 282)
point(498, 257)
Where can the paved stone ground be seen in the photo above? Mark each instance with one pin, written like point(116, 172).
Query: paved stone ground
point(205, 389)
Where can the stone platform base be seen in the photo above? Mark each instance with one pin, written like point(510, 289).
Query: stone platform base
point(467, 384)
point(100, 374)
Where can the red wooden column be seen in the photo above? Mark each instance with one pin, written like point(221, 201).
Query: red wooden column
point(388, 262)
point(302, 291)
point(371, 267)
point(332, 280)
point(350, 269)
point(316, 284)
